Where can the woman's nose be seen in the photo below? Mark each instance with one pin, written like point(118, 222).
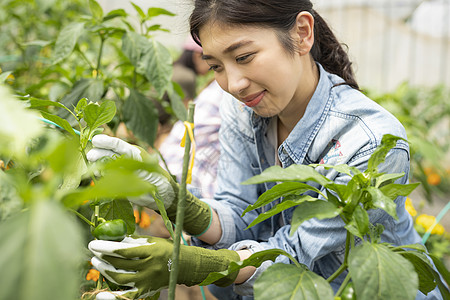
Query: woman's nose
point(237, 82)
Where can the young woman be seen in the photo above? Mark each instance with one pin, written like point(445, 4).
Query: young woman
point(293, 99)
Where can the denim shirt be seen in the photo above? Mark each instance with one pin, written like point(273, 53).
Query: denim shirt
point(340, 126)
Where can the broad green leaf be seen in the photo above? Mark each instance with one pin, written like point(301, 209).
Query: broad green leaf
point(379, 273)
point(79, 109)
point(280, 207)
point(157, 11)
point(10, 202)
point(66, 41)
point(120, 12)
point(36, 103)
point(423, 269)
point(71, 180)
point(138, 10)
point(96, 115)
point(96, 10)
point(119, 209)
point(41, 252)
point(384, 179)
point(133, 46)
point(380, 200)
point(18, 125)
point(176, 101)
point(280, 190)
point(300, 173)
point(116, 183)
point(359, 224)
point(256, 259)
point(443, 271)
point(379, 155)
point(90, 88)
point(156, 66)
point(394, 190)
point(4, 76)
point(345, 169)
point(59, 121)
point(287, 282)
point(313, 209)
point(141, 116)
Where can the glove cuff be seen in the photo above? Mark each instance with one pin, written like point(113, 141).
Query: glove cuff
point(197, 263)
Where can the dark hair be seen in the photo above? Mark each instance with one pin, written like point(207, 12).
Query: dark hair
point(281, 16)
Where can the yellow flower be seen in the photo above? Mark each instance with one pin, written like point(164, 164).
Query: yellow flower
point(143, 219)
point(410, 207)
point(426, 221)
point(93, 274)
point(434, 179)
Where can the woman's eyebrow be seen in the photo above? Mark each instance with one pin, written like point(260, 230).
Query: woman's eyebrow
point(229, 49)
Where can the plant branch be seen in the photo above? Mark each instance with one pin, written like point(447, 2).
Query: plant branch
point(344, 265)
point(81, 217)
point(180, 210)
point(100, 52)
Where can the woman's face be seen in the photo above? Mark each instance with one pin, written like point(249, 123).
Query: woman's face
point(251, 64)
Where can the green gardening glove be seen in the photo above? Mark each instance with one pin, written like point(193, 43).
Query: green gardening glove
point(144, 263)
point(198, 214)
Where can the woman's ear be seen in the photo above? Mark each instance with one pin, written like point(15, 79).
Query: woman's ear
point(304, 32)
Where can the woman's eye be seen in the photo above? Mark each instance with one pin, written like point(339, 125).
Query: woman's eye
point(245, 58)
point(214, 68)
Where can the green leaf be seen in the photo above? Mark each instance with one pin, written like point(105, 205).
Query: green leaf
point(96, 115)
point(139, 11)
point(18, 125)
point(4, 76)
point(394, 190)
point(300, 173)
point(346, 169)
point(90, 88)
point(256, 259)
point(133, 46)
point(313, 209)
point(120, 12)
point(359, 224)
point(423, 269)
point(287, 282)
point(66, 41)
point(442, 270)
point(379, 155)
point(176, 101)
point(116, 183)
point(119, 209)
point(41, 252)
point(157, 11)
point(280, 207)
point(60, 121)
point(380, 200)
point(384, 179)
point(37, 103)
point(156, 66)
point(141, 116)
point(379, 273)
point(280, 190)
point(96, 10)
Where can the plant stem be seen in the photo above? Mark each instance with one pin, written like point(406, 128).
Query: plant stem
point(344, 266)
point(77, 48)
point(343, 285)
point(180, 210)
point(81, 217)
point(102, 41)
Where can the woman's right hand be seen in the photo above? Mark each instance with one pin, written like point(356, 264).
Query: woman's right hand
point(106, 146)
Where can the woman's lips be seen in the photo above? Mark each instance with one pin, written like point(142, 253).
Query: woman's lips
point(254, 99)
